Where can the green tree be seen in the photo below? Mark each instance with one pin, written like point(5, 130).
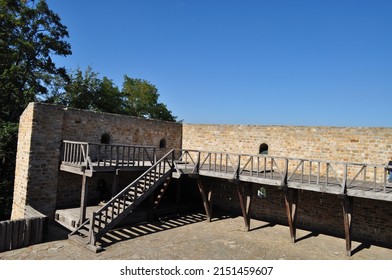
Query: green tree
point(141, 100)
point(30, 34)
point(85, 90)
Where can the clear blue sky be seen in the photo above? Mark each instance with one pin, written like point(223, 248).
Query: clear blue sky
point(280, 62)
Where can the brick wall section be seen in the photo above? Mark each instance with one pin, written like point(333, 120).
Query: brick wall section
point(39, 182)
point(353, 144)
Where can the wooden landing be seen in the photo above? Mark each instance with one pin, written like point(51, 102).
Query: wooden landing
point(97, 167)
point(70, 218)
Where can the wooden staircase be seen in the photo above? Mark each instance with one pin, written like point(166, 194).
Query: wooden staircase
point(107, 217)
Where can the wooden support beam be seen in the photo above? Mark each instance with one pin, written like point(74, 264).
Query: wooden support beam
point(347, 212)
point(178, 195)
point(83, 199)
point(115, 183)
point(245, 197)
point(151, 208)
point(206, 199)
point(291, 203)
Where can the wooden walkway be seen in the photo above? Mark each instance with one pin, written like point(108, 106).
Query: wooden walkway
point(341, 178)
point(85, 158)
point(344, 179)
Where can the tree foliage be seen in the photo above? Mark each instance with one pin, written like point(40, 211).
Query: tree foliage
point(30, 34)
point(141, 100)
point(85, 90)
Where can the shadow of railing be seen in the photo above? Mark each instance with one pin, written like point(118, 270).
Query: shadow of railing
point(147, 228)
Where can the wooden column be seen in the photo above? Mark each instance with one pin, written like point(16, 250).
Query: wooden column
point(347, 212)
point(291, 202)
point(178, 194)
point(151, 208)
point(115, 182)
point(206, 199)
point(245, 197)
point(83, 199)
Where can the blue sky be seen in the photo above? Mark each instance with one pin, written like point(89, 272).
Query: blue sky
point(262, 62)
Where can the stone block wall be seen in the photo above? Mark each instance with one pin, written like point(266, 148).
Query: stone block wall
point(320, 212)
point(353, 144)
point(38, 180)
point(37, 161)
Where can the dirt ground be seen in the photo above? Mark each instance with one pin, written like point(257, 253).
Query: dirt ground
point(191, 237)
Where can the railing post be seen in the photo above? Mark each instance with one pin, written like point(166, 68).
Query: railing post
point(327, 170)
point(87, 154)
point(198, 162)
point(285, 173)
point(344, 182)
point(91, 230)
point(237, 172)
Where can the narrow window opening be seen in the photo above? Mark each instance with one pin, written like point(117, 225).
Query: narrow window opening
point(263, 149)
point(162, 143)
point(105, 138)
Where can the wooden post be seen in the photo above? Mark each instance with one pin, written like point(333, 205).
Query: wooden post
point(291, 202)
point(178, 194)
point(347, 212)
point(151, 208)
point(206, 199)
point(245, 198)
point(83, 199)
point(115, 182)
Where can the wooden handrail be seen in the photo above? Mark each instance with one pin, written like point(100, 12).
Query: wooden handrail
point(316, 172)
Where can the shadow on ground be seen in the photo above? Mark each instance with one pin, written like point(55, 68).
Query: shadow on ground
point(158, 225)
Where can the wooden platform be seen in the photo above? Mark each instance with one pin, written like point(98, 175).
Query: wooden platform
point(340, 178)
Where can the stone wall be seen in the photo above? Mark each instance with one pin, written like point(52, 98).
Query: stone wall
point(38, 180)
point(37, 161)
point(352, 144)
point(319, 212)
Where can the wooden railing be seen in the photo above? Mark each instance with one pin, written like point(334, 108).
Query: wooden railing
point(115, 209)
point(75, 153)
point(85, 154)
point(369, 177)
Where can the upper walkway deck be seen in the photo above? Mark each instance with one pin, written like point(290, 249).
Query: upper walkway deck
point(86, 158)
point(341, 178)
